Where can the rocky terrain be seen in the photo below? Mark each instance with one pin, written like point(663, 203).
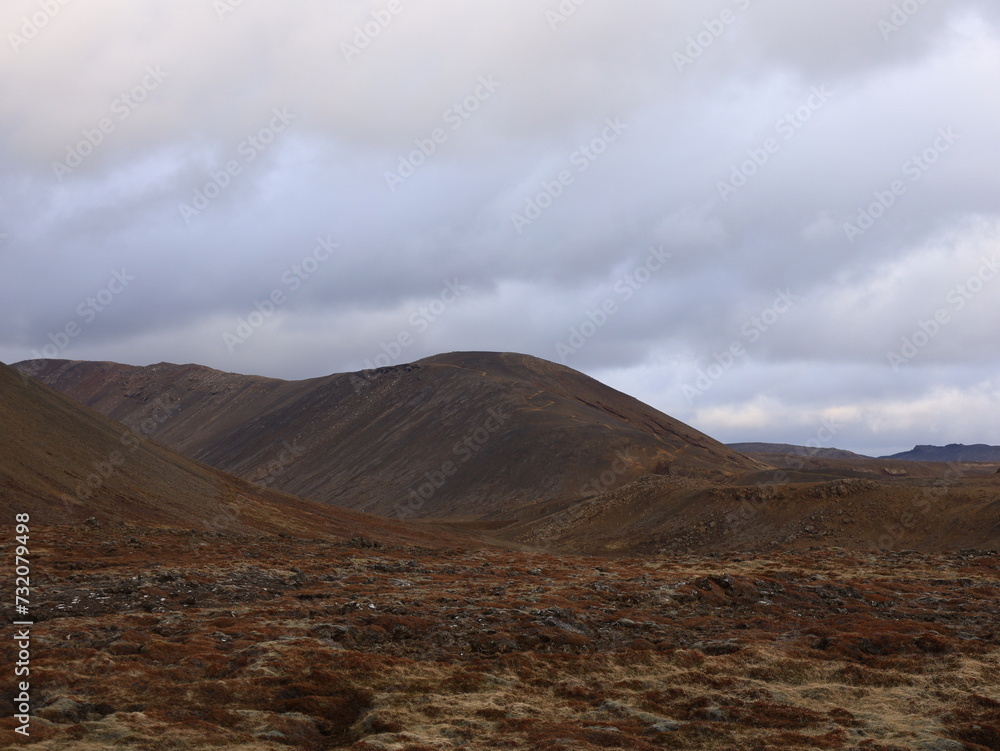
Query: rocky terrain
point(172, 639)
point(662, 515)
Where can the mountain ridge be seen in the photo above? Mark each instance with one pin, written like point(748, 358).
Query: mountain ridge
point(522, 452)
point(788, 448)
point(952, 452)
point(64, 462)
point(452, 435)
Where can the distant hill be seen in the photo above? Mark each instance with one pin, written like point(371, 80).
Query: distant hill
point(787, 448)
point(953, 452)
point(459, 435)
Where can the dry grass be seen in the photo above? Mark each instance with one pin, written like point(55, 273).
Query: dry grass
point(175, 641)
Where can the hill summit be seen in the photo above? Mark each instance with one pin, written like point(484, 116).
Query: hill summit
point(465, 434)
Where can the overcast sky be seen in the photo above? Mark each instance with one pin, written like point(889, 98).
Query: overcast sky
point(776, 221)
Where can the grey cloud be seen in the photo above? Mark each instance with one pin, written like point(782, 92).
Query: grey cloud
point(657, 185)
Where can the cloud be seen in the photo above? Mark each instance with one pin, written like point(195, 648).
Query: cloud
point(742, 138)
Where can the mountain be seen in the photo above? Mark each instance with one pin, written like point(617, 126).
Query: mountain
point(787, 448)
point(953, 452)
point(467, 435)
point(63, 462)
point(525, 453)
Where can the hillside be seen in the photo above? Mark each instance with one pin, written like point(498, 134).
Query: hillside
point(787, 448)
point(662, 515)
point(953, 452)
point(522, 452)
point(462, 435)
point(63, 462)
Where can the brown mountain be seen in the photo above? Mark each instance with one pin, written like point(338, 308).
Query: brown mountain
point(462, 435)
point(62, 462)
point(531, 453)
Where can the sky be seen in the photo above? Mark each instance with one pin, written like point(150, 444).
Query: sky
point(774, 221)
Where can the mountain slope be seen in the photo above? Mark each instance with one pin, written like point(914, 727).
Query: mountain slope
point(953, 452)
point(655, 515)
point(462, 435)
point(62, 462)
point(555, 460)
point(787, 448)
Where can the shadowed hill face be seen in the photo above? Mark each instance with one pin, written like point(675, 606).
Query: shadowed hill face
point(953, 452)
point(466, 435)
point(786, 448)
point(62, 462)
